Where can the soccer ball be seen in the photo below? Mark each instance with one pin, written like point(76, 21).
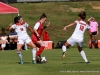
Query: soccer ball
point(43, 59)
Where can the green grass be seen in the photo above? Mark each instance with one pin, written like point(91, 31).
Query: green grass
point(72, 65)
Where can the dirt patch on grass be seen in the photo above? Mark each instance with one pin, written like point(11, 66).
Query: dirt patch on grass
point(76, 9)
point(96, 7)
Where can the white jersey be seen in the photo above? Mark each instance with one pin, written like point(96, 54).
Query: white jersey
point(78, 33)
point(21, 30)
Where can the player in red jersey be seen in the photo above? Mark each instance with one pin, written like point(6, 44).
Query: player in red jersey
point(38, 28)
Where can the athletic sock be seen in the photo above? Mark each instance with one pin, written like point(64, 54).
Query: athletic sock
point(20, 55)
point(64, 48)
point(34, 53)
point(83, 56)
point(40, 50)
point(2, 46)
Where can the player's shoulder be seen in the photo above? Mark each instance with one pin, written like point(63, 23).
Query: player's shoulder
point(80, 22)
point(38, 22)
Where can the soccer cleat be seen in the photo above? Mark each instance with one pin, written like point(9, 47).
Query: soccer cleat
point(34, 61)
point(63, 55)
point(87, 62)
point(38, 59)
point(21, 62)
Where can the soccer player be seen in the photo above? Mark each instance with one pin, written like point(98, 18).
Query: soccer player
point(94, 32)
point(38, 28)
point(77, 36)
point(20, 27)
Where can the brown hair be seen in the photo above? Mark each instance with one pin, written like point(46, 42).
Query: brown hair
point(82, 15)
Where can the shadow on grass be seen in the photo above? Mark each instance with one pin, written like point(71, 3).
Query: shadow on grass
point(24, 62)
point(76, 63)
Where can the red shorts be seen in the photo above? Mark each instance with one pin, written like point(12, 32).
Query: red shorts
point(34, 38)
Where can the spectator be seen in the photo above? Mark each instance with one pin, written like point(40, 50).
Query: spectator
point(3, 37)
point(94, 32)
point(13, 39)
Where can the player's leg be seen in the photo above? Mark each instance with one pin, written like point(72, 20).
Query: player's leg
point(90, 42)
point(34, 49)
point(96, 41)
point(64, 49)
point(69, 42)
point(19, 47)
point(82, 53)
point(42, 46)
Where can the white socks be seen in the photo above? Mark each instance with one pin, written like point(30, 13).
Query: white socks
point(20, 55)
point(34, 53)
point(63, 48)
point(83, 56)
point(3, 46)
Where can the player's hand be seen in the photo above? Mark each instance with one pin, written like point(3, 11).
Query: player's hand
point(10, 24)
point(64, 28)
point(48, 24)
point(38, 35)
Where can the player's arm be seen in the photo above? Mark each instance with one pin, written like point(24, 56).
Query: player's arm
point(9, 27)
point(89, 32)
point(88, 28)
point(30, 29)
point(72, 24)
point(35, 30)
point(36, 27)
point(89, 20)
point(97, 30)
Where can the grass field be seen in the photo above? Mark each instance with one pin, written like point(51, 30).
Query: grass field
point(72, 65)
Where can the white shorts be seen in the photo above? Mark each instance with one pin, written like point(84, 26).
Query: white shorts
point(3, 38)
point(73, 41)
point(24, 40)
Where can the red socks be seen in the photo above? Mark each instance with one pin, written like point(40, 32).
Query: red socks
point(40, 50)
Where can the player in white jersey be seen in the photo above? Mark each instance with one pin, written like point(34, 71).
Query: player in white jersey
point(77, 36)
point(20, 27)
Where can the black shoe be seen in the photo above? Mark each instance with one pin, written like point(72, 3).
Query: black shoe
point(87, 62)
point(38, 59)
point(64, 55)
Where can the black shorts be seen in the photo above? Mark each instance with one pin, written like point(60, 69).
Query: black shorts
point(94, 33)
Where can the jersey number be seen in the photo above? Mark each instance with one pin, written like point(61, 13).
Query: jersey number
point(21, 29)
point(81, 27)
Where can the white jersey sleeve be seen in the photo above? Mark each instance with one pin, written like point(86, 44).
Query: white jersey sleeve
point(13, 26)
point(26, 24)
point(37, 25)
point(88, 27)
